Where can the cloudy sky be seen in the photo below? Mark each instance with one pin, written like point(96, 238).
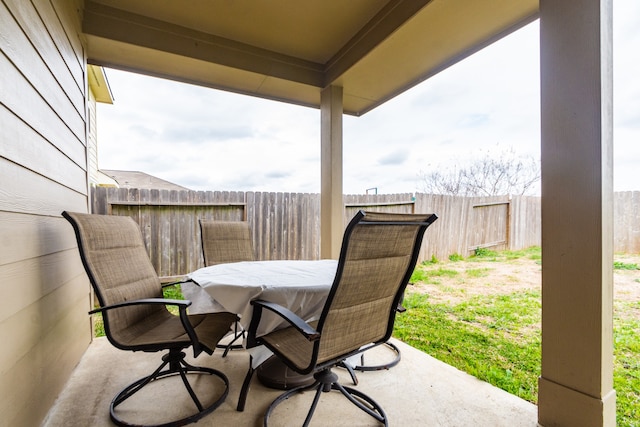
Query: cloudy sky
point(206, 139)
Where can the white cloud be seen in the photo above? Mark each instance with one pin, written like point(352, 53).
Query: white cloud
point(211, 140)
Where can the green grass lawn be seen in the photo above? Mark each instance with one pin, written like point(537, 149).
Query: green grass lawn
point(487, 337)
point(497, 338)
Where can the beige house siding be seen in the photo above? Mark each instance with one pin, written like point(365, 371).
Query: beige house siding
point(44, 325)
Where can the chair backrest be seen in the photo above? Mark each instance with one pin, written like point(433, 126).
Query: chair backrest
point(119, 269)
point(379, 252)
point(225, 241)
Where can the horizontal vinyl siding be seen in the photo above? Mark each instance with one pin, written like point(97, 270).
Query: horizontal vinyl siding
point(28, 393)
point(29, 192)
point(29, 42)
point(23, 145)
point(43, 171)
point(32, 236)
point(49, 273)
point(22, 99)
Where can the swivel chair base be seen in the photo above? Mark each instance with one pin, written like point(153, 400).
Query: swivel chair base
point(177, 366)
point(325, 382)
point(362, 367)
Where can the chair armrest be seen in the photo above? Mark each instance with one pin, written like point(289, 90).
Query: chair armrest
point(289, 316)
point(184, 318)
point(161, 301)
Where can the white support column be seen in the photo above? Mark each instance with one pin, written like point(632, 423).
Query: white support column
point(331, 204)
point(576, 385)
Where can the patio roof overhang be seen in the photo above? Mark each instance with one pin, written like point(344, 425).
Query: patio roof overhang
point(343, 57)
point(289, 50)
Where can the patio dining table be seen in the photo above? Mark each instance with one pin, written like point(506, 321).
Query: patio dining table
point(301, 286)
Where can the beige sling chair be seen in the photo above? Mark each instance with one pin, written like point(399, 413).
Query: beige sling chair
point(379, 252)
point(224, 242)
point(135, 313)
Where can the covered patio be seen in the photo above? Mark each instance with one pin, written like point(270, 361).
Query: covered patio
point(419, 391)
point(341, 58)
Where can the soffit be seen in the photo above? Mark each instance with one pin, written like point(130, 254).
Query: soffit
point(290, 50)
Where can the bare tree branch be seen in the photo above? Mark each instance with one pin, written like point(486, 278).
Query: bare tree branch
point(489, 175)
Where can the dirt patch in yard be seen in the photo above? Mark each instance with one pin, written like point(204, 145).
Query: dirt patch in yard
point(459, 280)
point(626, 283)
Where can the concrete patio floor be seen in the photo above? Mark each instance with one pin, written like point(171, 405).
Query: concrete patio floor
point(419, 391)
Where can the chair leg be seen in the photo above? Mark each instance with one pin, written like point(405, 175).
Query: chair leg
point(325, 382)
point(231, 346)
point(177, 366)
point(350, 370)
point(284, 396)
point(374, 409)
point(245, 386)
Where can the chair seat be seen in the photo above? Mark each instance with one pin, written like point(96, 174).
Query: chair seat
point(164, 331)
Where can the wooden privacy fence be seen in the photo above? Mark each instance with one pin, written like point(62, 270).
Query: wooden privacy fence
point(287, 225)
point(626, 222)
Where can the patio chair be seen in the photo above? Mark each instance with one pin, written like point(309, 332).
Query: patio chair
point(378, 255)
point(135, 314)
point(223, 242)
